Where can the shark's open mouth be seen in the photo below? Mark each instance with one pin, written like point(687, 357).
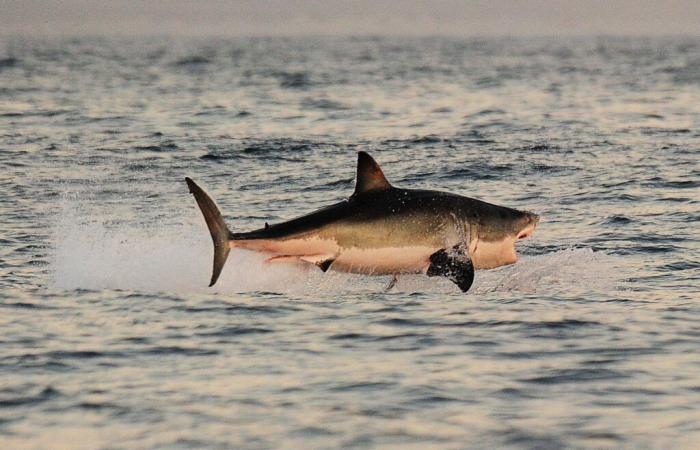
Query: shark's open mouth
point(526, 232)
point(533, 220)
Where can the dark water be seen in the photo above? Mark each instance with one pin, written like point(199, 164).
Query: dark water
point(110, 339)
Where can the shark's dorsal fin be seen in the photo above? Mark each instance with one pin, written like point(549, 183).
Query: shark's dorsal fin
point(369, 175)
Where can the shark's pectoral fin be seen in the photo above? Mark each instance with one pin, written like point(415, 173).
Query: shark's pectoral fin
point(454, 265)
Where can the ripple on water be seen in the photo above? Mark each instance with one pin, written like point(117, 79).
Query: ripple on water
point(579, 375)
point(27, 395)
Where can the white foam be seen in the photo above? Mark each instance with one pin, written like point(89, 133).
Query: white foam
point(93, 254)
point(577, 268)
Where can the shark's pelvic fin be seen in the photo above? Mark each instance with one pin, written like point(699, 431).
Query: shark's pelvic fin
point(325, 265)
point(369, 175)
point(218, 229)
point(456, 266)
point(322, 261)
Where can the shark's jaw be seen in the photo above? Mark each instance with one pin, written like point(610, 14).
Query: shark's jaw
point(527, 225)
point(489, 254)
point(501, 252)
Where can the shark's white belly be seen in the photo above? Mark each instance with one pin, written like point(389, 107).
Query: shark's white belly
point(384, 260)
point(379, 260)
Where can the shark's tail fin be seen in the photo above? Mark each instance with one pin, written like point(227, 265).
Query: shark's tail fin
point(218, 229)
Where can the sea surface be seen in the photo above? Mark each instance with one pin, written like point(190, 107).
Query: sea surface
point(110, 337)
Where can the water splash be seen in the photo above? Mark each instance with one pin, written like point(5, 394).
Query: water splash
point(560, 270)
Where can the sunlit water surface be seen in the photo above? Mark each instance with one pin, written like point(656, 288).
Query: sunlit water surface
point(109, 337)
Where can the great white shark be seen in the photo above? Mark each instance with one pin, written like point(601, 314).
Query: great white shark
point(383, 230)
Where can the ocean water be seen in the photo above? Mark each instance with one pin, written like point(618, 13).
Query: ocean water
point(110, 338)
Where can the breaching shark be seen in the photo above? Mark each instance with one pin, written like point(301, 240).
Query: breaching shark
point(383, 230)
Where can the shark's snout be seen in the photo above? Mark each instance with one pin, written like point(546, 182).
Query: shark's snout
point(529, 223)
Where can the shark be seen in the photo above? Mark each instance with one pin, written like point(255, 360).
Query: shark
point(382, 230)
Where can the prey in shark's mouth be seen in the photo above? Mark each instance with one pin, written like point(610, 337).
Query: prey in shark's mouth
point(383, 230)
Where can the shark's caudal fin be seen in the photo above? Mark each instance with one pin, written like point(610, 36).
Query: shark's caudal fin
point(369, 175)
point(218, 229)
